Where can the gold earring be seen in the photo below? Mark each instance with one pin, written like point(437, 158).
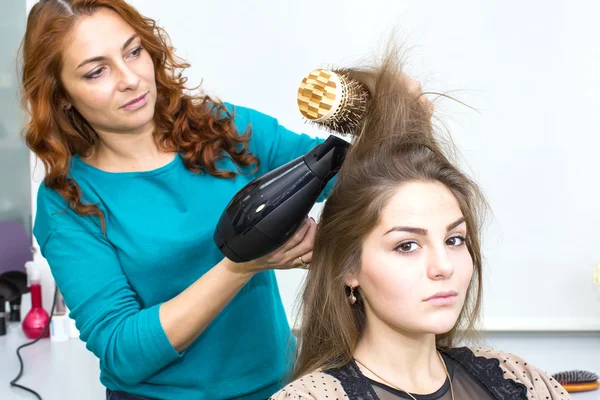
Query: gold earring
point(351, 298)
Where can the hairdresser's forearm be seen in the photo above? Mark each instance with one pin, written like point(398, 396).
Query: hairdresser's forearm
point(185, 317)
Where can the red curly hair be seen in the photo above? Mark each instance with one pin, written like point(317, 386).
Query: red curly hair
point(199, 128)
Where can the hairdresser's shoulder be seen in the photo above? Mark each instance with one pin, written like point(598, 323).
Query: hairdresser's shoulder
point(519, 375)
point(314, 386)
point(49, 201)
point(244, 117)
point(244, 113)
point(54, 214)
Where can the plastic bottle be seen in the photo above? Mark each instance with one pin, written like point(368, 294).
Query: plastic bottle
point(37, 318)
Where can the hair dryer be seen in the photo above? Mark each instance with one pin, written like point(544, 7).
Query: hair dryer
point(265, 213)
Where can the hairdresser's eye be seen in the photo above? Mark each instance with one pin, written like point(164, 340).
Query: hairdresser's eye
point(136, 52)
point(456, 241)
point(407, 247)
point(97, 73)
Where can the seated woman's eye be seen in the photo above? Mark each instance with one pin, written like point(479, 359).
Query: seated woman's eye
point(407, 247)
point(455, 241)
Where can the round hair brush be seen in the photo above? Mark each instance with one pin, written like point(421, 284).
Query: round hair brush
point(577, 381)
point(333, 100)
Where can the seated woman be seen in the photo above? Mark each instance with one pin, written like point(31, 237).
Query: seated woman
point(395, 279)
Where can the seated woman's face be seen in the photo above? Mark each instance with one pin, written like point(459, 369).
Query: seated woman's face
point(416, 267)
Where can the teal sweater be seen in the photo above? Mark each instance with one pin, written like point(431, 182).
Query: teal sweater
point(159, 241)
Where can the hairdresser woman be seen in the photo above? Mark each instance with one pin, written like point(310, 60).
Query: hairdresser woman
point(138, 174)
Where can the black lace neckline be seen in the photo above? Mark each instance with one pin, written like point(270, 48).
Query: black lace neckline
point(484, 370)
point(488, 372)
point(432, 396)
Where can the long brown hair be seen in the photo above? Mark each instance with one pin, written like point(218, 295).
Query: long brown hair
point(396, 143)
point(199, 128)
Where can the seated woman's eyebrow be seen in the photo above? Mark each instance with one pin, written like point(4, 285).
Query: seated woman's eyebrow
point(423, 231)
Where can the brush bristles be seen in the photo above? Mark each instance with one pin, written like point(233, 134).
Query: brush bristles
point(576, 376)
point(332, 100)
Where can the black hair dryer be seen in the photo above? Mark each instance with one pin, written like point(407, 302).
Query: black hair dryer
point(265, 213)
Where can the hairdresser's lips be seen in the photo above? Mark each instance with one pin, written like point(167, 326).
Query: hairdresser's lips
point(442, 298)
point(136, 103)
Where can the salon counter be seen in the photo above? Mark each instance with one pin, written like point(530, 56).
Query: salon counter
point(55, 370)
point(68, 371)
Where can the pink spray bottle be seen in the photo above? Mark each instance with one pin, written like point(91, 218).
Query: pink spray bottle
point(37, 318)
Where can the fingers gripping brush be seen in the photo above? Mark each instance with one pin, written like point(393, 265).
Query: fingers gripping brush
point(265, 213)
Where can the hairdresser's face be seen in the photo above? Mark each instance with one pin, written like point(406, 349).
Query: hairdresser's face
point(416, 251)
point(105, 68)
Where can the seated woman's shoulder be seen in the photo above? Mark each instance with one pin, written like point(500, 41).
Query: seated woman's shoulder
point(531, 379)
point(317, 385)
point(499, 371)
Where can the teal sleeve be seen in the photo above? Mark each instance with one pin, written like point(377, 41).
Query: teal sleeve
point(273, 144)
point(128, 340)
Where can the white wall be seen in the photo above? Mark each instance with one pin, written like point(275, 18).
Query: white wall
point(529, 68)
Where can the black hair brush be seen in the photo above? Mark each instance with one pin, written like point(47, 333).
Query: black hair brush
point(577, 381)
